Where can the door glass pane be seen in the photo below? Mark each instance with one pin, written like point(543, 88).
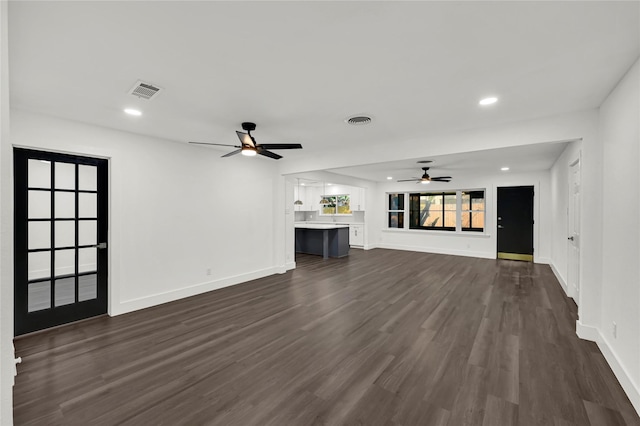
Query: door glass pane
point(39, 296)
point(65, 262)
point(65, 292)
point(39, 174)
point(87, 259)
point(39, 265)
point(65, 205)
point(88, 178)
point(65, 233)
point(65, 175)
point(39, 204)
point(87, 287)
point(88, 232)
point(39, 235)
point(88, 205)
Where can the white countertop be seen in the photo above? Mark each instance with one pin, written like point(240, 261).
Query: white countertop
point(320, 225)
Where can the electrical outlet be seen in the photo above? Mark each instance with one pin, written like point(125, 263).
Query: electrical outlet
point(615, 330)
point(208, 271)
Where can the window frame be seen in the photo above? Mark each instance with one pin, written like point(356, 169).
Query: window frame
point(442, 194)
point(400, 211)
point(470, 210)
point(335, 197)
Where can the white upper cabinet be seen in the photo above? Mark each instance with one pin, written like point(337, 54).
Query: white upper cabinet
point(357, 199)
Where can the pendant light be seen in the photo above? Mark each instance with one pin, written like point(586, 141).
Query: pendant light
point(298, 202)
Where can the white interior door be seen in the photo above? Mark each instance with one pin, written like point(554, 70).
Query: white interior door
point(573, 258)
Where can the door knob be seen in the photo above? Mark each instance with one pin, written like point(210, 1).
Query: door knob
point(570, 238)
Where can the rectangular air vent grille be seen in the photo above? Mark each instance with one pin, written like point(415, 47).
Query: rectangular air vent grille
point(144, 90)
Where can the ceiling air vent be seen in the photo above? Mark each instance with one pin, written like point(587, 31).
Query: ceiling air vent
point(359, 120)
point(144, 90)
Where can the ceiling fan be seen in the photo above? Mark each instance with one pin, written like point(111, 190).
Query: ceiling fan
point(426, 178)
point(249, 147)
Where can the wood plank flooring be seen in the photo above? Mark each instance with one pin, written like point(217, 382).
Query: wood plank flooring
point(380, 337)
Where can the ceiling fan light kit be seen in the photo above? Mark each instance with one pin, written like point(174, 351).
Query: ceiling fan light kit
point(250, 148)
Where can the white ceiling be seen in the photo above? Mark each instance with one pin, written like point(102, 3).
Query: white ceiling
point(519, 159)
point(298, 69)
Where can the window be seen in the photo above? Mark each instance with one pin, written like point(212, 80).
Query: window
point(472, 208)
point(395, 211)
point(433, 210)
point(336, 204)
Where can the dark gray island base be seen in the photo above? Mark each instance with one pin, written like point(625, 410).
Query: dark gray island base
point(325, 240)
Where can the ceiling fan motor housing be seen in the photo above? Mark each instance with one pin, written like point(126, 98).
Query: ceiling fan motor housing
point(248, 126)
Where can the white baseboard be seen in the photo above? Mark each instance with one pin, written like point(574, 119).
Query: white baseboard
point(290, 265)
point(631, 388)
point(561, 280)
point(170, 296)
point(542, 260)
point(480, 254)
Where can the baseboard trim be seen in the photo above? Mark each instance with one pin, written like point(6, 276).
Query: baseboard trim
point(542, 260)
point(631, 388)
point(561, 280)
point(290, 265)
point(193, 290)
point(435, 250)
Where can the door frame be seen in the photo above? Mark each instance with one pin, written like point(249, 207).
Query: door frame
point(14, 260)
point(574, 291)
point(536, 217)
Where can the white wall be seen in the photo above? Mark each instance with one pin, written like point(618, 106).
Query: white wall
point(620, 135)
point(6, 231)
point(176, 210)
point(465, 243)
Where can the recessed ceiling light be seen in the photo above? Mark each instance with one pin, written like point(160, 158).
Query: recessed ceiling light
point(389, 177)
point(504, 169)
point(488, 101)
point(132, 111)
point(329, 184)
point(302, 184)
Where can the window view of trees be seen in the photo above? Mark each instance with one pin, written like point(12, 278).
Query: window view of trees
point(336, 204)
point(433, 211)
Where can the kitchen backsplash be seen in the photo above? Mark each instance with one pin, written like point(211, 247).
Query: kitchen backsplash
point(357, 217)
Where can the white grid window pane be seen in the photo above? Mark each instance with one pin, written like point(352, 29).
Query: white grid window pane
point(65, 262)
point(65, 175)
point(39, 296)
point(87, 259)
point(65, 207)
point(87, 287)
point(65, 291)
point(39, 173)
point(65, 233)
point(39, 235)
point(39, 205)
point(87, 232)
point(39, 265)
point(88, 205)
point(88, 178)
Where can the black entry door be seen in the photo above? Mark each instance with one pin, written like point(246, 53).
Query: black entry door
point(515, 223)
point(60, 239)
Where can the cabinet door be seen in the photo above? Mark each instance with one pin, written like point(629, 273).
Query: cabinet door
point(356, 235)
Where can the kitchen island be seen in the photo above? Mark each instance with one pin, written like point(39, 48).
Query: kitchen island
point(327, 240)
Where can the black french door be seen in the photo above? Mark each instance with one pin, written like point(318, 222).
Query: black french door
point(60, 239)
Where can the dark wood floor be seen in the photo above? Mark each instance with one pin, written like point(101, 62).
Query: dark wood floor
point(381, 337)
